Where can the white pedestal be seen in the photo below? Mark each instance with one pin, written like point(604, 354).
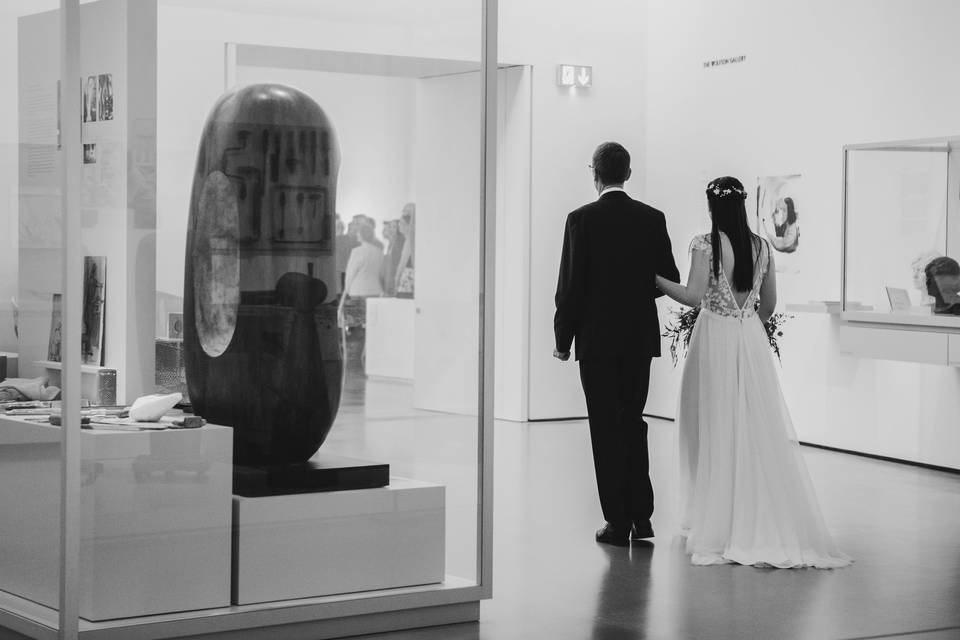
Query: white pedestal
point(155, 518)
point(389, 336)
point(318, 544)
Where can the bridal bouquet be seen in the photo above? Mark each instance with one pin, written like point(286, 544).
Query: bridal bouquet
point(681, 328)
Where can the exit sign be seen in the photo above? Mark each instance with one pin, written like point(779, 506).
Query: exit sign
point(572, 75)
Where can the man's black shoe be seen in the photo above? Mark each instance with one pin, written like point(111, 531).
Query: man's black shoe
point(641, 529)
point(612, 534)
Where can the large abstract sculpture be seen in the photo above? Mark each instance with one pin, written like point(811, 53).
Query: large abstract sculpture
point(262, 348)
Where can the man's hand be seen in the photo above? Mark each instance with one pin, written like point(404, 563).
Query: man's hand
point(561, 355)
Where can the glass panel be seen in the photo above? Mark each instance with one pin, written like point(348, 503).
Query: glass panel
point(31, 291)
point(281, 251)
point(899, 254)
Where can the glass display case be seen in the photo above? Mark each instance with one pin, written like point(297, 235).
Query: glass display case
point(901, 247)
point(270, 367)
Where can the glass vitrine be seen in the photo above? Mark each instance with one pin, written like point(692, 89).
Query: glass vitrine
point(277, 332)
point(901, 226)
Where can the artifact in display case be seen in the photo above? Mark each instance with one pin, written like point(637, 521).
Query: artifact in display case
point(901, 223)
point(262, 346)
point(943, 285)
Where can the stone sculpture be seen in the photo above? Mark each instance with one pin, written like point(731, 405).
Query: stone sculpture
point(262, 347)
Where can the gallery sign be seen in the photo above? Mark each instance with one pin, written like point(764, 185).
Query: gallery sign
point(709, 64)
point(571, 75)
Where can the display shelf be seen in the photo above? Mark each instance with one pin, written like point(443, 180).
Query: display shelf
point(84, 368)
point(823, 306)
point(906, 320)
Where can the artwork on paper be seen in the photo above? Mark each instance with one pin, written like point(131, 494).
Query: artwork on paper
point(105, 91)
point(779, 205)
point(91, 100)
point(56, 329)
point(94, 293)
point(89, 153)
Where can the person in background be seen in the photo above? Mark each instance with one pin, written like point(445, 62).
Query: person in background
point(405, 273)
point(391, 233)
point(343, 245)
point(363, 267)
point(364, 219)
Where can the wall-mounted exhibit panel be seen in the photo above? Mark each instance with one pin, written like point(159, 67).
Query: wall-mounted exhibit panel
point(264, 241)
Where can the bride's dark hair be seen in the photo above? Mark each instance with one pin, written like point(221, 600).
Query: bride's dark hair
point(726, 197)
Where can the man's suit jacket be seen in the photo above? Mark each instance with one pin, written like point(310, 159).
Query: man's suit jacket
point(606, 292)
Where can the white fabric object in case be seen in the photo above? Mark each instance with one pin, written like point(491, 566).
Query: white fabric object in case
point(151, 408)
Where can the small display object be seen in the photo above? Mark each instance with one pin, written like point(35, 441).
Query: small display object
point(262, 347)
point(901, 225)
point(899, 299)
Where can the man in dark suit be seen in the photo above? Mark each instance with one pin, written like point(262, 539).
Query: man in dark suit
point(612, 248)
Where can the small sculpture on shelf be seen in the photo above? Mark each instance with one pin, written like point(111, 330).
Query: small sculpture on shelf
point(262, 347)
point(943, 285)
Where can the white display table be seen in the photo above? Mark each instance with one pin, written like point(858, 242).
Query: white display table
point(389, 336)
point(317, 544)
point(155, 518)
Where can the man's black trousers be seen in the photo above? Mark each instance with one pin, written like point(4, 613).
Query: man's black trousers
point(616, 393)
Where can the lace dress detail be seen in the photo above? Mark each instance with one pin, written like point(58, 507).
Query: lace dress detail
point(719, 298)
point(746, 494)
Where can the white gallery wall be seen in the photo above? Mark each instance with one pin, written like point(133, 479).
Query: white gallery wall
point(372, 116)
point(192, 37)
point(817, 75)
point(567, 125)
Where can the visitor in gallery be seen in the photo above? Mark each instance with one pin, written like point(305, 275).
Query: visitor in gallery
point(746, 496)
point(784, 235)
point(405, 273)
point(391, 233)
point(363, 267)
point(343, 245)
point(605, 299)
point(363, 219)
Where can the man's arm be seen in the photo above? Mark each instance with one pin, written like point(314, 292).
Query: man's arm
point(570, 287)
point(664, 264)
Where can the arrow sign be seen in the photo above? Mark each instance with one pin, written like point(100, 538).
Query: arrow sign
point(583, 77)
point(569, 75)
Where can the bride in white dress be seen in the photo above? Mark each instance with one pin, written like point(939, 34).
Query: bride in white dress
point(747, 496)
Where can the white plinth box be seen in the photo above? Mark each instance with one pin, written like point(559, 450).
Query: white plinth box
point(390, 331)
point(318, 544)
point(155, 518)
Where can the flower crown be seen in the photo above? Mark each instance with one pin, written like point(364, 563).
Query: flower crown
point(726, 191)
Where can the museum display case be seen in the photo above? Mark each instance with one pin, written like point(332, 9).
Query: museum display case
point(263, 397)
point(901, 243)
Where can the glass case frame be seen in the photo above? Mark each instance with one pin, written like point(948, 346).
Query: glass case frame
point(320, 617)
point(898, 328)
point(854, 310)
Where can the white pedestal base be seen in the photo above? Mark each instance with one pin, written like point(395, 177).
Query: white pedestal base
point(319, 544)
point(155, 518)
point(389, 336)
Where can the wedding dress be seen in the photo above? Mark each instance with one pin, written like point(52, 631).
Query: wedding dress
point(746, 493)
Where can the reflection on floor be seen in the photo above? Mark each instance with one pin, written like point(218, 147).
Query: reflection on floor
point(552, 581)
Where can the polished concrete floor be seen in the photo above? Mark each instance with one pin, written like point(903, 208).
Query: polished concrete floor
point(551, 580)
